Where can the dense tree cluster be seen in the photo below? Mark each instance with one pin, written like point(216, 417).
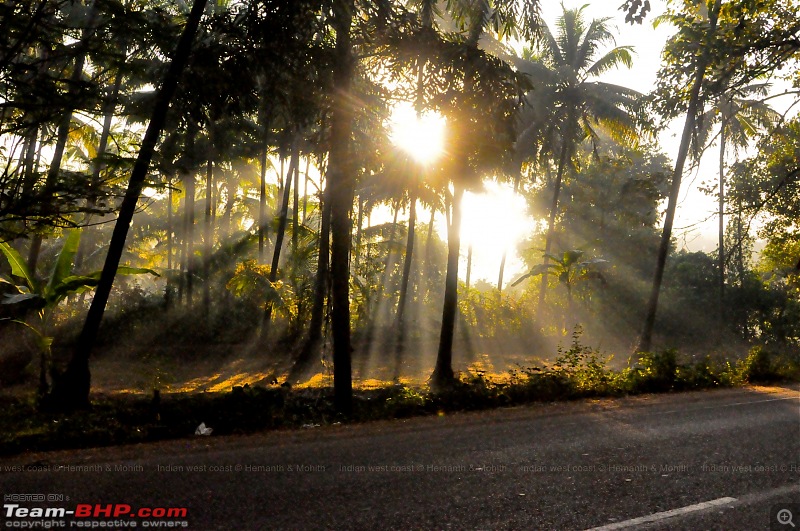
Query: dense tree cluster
point(221, 162)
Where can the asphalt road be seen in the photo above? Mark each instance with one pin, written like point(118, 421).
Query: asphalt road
point(726, 459)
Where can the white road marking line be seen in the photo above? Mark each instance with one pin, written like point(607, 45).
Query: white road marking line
point(655, 517)
point(719, 406)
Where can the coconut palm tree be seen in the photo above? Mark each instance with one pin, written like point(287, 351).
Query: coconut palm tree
point(71, 389)
point(475, 148)
point(740, 114)
point(570, 106)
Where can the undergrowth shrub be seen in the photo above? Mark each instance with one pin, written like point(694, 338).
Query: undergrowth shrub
point(757, 366)
point(654, 372)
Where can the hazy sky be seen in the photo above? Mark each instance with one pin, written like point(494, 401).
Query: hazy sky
point(696, 221)
point(496, 220)
point(503, 227)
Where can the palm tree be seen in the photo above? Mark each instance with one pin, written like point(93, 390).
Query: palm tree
point(476, 147)
point(72, 388)
point(579, 109)
point(64, 124)
point(740, 117)
point(705, 17)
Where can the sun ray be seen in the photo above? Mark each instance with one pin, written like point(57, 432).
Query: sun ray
point(422, 137)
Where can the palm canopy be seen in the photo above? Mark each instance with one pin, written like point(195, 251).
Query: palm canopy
point(567, 105)
point(743, 112)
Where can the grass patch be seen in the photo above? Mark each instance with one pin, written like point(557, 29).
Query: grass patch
point(578, 372)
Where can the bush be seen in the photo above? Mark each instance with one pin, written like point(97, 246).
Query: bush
point(757, 366)
point(654, 372)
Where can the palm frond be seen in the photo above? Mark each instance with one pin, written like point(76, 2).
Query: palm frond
point(619, 56)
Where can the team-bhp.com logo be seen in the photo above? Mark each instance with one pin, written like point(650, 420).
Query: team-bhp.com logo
point(95, 515)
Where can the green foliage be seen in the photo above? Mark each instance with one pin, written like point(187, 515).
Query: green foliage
point(45, 298)
point(489, 313)
point(584, 366)
point(654, 372)
point(61, 283)
point(763, 365)
point(578, 371)
point(251, 281)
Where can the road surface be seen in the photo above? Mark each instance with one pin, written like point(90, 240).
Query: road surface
point(727, 459)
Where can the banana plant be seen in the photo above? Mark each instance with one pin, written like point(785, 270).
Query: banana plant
point(44, 297)
point(569, 269)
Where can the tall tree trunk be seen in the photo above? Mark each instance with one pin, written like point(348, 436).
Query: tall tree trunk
point(739, 242)
point(207, 236)
point(646, 340)
point(29, 175)
point(551, 225)
point(62, 134)
point(168, 291)
point(359, 232)
point(342, 182)
point(280, 235)
point(182, 266)
point(721, 256)
point(226, 223)
point(388, 268)
point(469, 265)
point(189, 213)
point(400, 323)
point(72, 387)
point(517, 178)
point(443, 373)
point(381, 305)
point(305, 188)
point(408, 259)
point(314, 339)
point(263, 224)
point(87, 240)
point(296, 215)
point(429, 265)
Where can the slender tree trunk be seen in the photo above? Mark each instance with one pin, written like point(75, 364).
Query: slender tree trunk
point(280, 176)
point(87, 240)
point(342, 182)
point(314, 338)
point(189, 206)
point(168, 291)
point(182, 266)
point(296, 215)
point(739, 242)
point(29, 175)
point(207, 235)
point(469, 265)
point(646, 340)
point(443, 373)
point(429, 252)
point(62, 134)
point(226, 225)
point(263, 225)
point(72, 388)
point(551, 225)
point(517, 178)
point(359, 233)
point(408, 259)
point(283, 221)
point(382, 306)
point(400, 323)
point(721, 256)
point(305, 188)
point(388, 268)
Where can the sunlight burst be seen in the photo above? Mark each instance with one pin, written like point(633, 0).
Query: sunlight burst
point(421, 137)
point(494, 221)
